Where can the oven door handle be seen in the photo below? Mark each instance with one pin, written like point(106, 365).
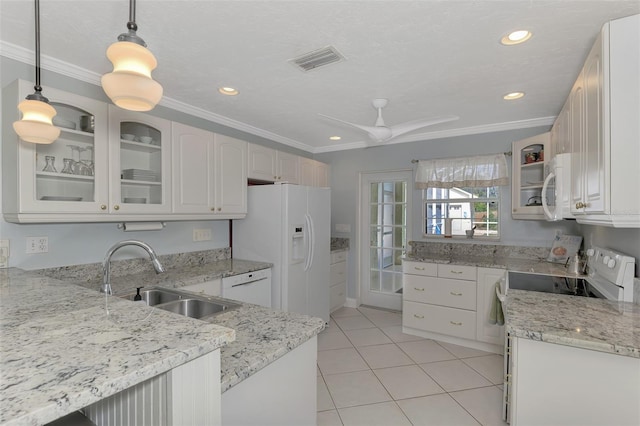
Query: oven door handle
point(501, 297)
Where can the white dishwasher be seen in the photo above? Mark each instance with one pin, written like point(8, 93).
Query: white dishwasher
point(252, 287)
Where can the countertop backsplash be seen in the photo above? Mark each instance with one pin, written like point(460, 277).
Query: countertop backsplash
point(93, 271)
point(422, 249)
point(339, 243)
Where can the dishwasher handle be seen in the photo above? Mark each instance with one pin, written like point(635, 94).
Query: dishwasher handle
point(249, 282)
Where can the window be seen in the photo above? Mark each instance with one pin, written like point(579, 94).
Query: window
point(466, 207)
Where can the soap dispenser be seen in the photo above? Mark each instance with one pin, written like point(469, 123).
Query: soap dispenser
point(137, 296)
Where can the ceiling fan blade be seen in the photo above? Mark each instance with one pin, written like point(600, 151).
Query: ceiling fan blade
point(410, 126)
point(377, 133)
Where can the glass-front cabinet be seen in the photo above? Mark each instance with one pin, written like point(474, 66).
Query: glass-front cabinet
point(140, 167)
point(528, 167)
point(66, 176)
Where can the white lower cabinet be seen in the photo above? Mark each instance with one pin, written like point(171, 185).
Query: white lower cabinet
point(207, 288)
point(448, 303)
point(282, 393)
point(561, 385)
point(338, 280)
point(486, 291)
point(186, 395)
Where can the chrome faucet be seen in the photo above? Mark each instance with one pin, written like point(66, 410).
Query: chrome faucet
point(106, 264)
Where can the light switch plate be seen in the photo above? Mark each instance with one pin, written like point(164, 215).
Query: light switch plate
point(202, 234)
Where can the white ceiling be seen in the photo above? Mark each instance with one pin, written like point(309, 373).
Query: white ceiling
point(427, 57)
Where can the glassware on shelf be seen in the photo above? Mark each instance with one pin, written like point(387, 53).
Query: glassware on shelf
point(87, 165)
point(50, 164)
point(68, 166)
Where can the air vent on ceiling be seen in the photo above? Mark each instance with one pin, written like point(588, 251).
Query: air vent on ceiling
point(317, 58)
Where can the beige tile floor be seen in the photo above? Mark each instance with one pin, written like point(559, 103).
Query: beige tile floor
point(370, 373)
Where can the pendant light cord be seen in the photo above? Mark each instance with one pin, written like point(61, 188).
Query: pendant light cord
point(37, 87)
point(131, 25)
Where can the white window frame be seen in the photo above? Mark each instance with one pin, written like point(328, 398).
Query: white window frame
point(425, 200)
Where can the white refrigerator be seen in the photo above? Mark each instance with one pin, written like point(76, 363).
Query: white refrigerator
point(289, 226)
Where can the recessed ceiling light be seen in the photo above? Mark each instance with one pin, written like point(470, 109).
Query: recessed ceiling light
point(335, 138)
point(229, 91)
point(516, 37)
point(513, 95)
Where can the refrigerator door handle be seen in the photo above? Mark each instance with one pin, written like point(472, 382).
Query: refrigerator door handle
point(308, 237)
point(312, 241)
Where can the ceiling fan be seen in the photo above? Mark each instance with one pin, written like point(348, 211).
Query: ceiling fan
point(381, 133)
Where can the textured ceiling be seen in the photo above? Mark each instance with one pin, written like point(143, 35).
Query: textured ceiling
point(428, 58)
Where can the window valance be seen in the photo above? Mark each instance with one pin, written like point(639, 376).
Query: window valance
point(477, 171)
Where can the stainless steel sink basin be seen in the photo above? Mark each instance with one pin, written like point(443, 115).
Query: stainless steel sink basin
point(183, 302)
point(194, 308)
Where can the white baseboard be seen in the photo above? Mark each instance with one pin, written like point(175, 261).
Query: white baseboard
point(351, 303)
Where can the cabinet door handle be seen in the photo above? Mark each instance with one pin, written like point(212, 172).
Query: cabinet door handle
point(455, 323)
point(418, 316)
point(455, 272)
point(219, 208)
point(419, 268)
point(103, 207)
point(455, 293)
point(213, 209)
point(418, 289)
point(116, 207)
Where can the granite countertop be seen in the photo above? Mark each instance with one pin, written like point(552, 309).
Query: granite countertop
point(60, 351)
point(536, 266)
point(176, 276)
point(582, 322)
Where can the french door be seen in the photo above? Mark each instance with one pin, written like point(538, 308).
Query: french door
point(385, 223)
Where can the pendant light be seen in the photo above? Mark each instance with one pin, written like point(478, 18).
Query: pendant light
point(35, 125)
point(130, 85)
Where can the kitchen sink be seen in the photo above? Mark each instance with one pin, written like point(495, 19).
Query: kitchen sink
point(183, 303)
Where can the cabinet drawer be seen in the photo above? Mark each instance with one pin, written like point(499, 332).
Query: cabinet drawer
point(420, 268)
point(438, 319)
point(440, 291)
point(337, 296)
point(459, 272)
point(338, 273)
point(338, 256)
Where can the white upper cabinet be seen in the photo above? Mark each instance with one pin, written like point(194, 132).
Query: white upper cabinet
point(44, 183)
point(230, 175)
point(604, 130)
point(139, 163)
point(313, 173)
point(288, 169)
point(271, 165)
point(209, 173)
point(262, 163)
point(193, 175)
point(528, 168)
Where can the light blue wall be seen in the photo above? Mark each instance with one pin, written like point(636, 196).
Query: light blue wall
point(347, 165)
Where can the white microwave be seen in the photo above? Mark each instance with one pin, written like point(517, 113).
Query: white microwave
point(556, 190)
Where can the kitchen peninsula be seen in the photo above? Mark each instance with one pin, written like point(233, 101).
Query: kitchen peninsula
point(61, 352)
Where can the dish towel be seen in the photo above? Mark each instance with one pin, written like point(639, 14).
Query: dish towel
point(496, 316)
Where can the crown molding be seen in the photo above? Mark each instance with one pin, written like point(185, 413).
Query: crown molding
point(21, 54)
point(441, 134)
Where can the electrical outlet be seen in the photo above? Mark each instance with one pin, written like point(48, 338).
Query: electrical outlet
point(4, 253)
point(37, 245)
point(201, 234)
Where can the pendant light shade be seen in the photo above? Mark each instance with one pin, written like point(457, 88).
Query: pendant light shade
point(130, 85)
point(36, 125)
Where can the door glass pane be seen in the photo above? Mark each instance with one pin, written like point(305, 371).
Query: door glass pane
point(388, 234)
point(65, 169)
point(141, 163)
